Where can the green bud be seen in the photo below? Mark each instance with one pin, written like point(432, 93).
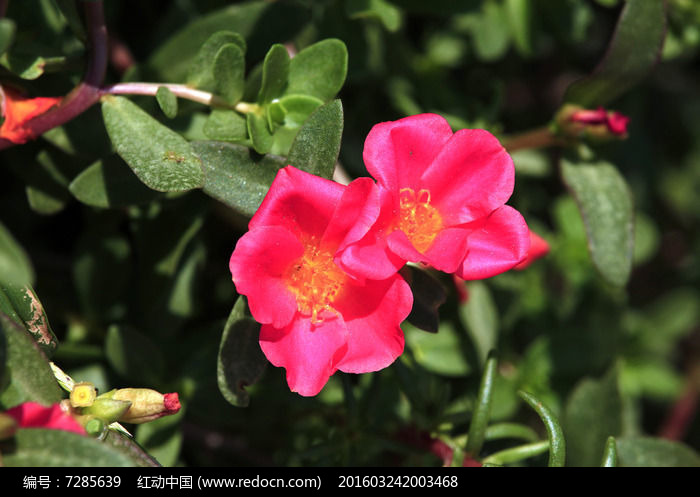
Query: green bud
point(106, 409)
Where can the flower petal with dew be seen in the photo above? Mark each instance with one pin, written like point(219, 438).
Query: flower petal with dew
point(17, 110)
point(442, 197)
point(34, 415)
point(316, 317)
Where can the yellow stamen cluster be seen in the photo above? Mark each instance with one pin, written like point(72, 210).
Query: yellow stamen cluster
point(419, 220)
point(315, 281)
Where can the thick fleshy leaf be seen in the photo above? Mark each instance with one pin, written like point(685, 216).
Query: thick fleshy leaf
point(440, 353)
point(165, 161)
point(385, 12)
point(47, 183)
point(229, 72)
point(15, 266)
point(201, 72)
point(592, 414)
point(259, 133)
point(519, 14)
point(480, 317)
point(605, 202)
point(167, 101)
point(22, 305)
point(319, 70)
point(274, 74)
point(109, 183)
point(43, 448)
point(482, 410)
point(315, 148)
point(633, 51)
point(7, 34)
point(234, 176)
point(30, 378)
point(162, 438)
point(133, 355)
point(240, 362)
point(226, 125)
point(655, 452)
point(557, 442)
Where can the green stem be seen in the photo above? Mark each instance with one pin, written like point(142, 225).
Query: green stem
point(482, 412)
point(537, 138)
point(519, 453)
point(557, 449)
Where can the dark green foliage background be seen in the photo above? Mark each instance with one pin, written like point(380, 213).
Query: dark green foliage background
point(136, 286)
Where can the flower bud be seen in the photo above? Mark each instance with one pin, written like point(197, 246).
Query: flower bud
point(83, 394)
point(146, 404)
point(599, 124)
point(107, 409)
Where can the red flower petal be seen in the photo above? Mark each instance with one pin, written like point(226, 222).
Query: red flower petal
point(309, 352)
point(18, 110)
point(396, 153)
point(34, 415)
point(538, 248)
point(472, 176)
point(497, 245)
point(257, 265)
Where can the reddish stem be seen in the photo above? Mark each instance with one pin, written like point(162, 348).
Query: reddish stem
point(87, 93)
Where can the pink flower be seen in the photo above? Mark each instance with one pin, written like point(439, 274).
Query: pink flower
point(441, 198)
point(33, 415)
point(317, 318)
point(615, 122)
point(538, 248)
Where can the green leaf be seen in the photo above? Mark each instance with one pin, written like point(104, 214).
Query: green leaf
point(226, 125)
point(259, 133)
point(274, 73)
point(428, 296)
point(605, 202)
point(109, 183)
point(490, 31)
point(519, 14)
point(592, 414)
point(610, 454)
point(7, 34)
point(480, 317)
point(162, 438)
point(655, 452)
point(385, 12)
point(28, 375)
point(37, 447)
point(317, 145)
point(22, 305)
point(482, 410)
point(439, 353)
point(15, 267)
point(133, 355)
point(319, 70)
point(235, 176)
point(47, 184)
point(201, 73)
point(229, 72)
point(167, 101)
point(633, 51)
point(240, 362)
point(162, 159)
point(557, 444)
point(286, 115)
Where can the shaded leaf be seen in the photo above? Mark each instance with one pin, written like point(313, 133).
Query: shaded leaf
point(480, 317)
point(167, 101)
point(259, 133)
point(28, 375)
point(605, 202)
point(241, 361)
point(162, 438)
point(633, 51)
point(7, 34)
point(229, 72)
point(274, 73)
point(655, 452)
point(385, 12)
point(317, 145)
point(22, 305)
point(593, 413)
point(109, 183)
point(133, 355)
point(319, 70)
point(439, 353)
point(234, 176)
point(15, 266)
point(36, 447)
point(201, 71)
point(162, 159)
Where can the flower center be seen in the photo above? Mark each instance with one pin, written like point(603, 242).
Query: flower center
point(315, 281)
point(419, 220)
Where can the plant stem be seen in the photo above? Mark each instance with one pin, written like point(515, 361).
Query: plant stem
point(87, 92)
point(182, 91)
point(537, 138)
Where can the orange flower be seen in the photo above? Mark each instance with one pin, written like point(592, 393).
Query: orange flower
point(18, 110)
